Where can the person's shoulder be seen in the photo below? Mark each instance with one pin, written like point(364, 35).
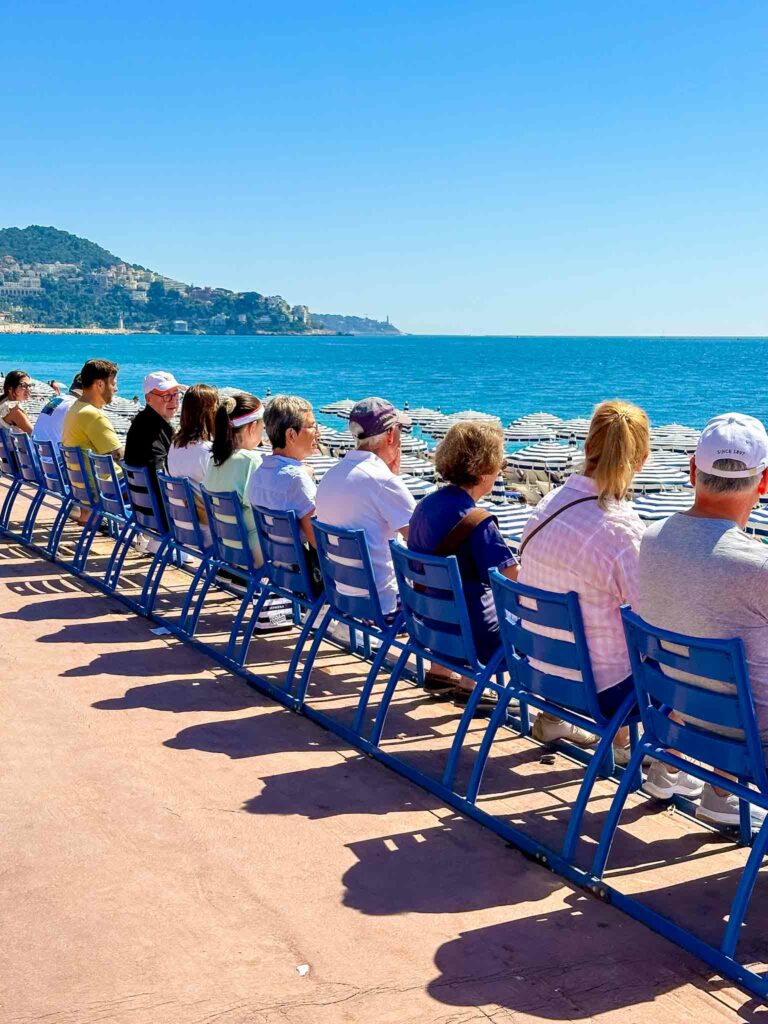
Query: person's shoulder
point(623, 524)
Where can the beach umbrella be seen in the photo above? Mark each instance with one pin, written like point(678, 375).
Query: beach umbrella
point(536, 426)
point(511, 517)
point(578, 428)
point(546, 456)
point(675, 437)
point(652, 507)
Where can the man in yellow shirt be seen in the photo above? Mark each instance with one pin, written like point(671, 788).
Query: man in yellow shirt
point(86, 425)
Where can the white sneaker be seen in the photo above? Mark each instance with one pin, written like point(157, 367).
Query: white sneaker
point(724, 810)
point(663, 783)
point(547, 729)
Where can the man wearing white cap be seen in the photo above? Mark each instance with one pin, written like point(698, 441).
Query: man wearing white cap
point(149, 436)
point(702, 575)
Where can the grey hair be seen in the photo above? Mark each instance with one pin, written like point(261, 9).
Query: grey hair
point(373, 443)
point(284, 413)
point(727, 484)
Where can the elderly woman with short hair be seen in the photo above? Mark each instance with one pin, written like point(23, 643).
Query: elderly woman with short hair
point(281, 482)
point(448, 522)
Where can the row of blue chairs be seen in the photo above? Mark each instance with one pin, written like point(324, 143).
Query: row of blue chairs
point(431, 625)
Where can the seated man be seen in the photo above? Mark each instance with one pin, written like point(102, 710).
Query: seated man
point(701, 575)
point(281, 482)
point(49, 423)
point(86, 425)
point(150, 434)
point(363, 491)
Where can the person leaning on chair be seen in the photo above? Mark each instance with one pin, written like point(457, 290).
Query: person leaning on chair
point(703, 576)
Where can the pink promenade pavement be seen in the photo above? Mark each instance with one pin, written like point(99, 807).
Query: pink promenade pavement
point(176, 850)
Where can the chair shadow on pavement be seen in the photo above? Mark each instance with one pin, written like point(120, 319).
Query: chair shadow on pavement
point(182, 695)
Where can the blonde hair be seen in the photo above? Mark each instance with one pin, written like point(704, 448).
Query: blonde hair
point(468, 451)
point(617, 445)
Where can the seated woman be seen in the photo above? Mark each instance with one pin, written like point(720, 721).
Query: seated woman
point(448, 522)
point(281, 482)
point(238, 430)
point(190, 450)
point(592, 548)
point(16, 388)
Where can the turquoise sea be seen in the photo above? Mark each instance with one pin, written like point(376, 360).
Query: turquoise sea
point(686, 380)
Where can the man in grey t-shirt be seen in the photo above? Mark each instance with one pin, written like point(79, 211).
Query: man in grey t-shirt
point(700, 574)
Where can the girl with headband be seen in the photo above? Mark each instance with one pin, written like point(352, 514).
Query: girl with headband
point(238, 430)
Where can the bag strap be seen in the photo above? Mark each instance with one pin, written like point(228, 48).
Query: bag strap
point(452, 541)
point(532, 534)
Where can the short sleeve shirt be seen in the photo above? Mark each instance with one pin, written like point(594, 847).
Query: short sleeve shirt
point(284, 485)
point(362, 493)
point(235, 475)
point(85, 426)
point(49, 423)
point(190, 462)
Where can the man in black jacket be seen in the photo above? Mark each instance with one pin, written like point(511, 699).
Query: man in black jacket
point(149, 436)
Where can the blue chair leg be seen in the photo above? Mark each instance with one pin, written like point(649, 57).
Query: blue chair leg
point(203, 578)
point(86, 540)
point(52, 547)
point(495, 722)
point(469, 711)
point(118, 556)
point(744, 891)
point(745, 821)
point(378, 725)
point(301, 692)
point(370, 681)
point(617, 806)
point(31, 517)
point(312, 614)
point(7, 509)
point(242, 653)
point(602, 752)
point(245, 604)
point(163, 556)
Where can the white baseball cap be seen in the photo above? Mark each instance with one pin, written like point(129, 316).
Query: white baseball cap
point(160, 381)
point(733, 436)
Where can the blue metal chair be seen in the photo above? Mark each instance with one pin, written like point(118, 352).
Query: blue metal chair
point(187, 535)
point(56, 485)
point(31, 477)
point(574, 700)
point(9, 472)
point(439, 630)
point(345, 563)
point(285, 573)
point(82, 489)
point(114, 510)
point(651, 650)
point(146, 519)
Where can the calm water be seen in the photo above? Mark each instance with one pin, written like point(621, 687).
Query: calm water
point(684, 380)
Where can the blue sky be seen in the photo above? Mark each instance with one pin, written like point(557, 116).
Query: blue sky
point(517, 167)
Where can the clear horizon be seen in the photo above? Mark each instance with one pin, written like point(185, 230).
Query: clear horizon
point(531, 170)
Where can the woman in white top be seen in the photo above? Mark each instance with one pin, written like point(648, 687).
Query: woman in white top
point(592, 548)
point(190, 450)
point(16, 388)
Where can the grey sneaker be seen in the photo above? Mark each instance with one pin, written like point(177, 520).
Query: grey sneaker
point(547, 729)
point(724, 810)
point(663, 783)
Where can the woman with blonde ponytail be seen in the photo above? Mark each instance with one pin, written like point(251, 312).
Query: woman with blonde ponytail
point(238, 430)
point(591, 546)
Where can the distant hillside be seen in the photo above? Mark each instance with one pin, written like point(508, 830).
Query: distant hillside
point(52, 278)
point(354, 324)
point(37, 244)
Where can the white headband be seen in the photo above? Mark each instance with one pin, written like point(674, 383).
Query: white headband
point(250, 417)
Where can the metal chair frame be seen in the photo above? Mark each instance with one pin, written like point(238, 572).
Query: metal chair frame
point(186, 536)
point(30, 477)
point(55, 485)
point(657, 695)
point(9, 471)
point(81, 485)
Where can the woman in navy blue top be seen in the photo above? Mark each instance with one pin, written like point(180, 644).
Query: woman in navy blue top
point(469, 458)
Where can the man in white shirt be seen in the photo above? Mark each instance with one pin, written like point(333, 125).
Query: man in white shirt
point(51, 418)
point(363, 491)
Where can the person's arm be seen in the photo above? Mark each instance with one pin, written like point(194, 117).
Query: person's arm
point(118, 454)
point(491, 551)
point(396, 506)
point(103, 439)
point(19, 419)
point(511, 571)
point(301, 495)
point(307, 529)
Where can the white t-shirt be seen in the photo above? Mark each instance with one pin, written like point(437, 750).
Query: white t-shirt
point(7, 405)
point(362, 493)
point(51, 419)
point(190, 462)
point(282, 484)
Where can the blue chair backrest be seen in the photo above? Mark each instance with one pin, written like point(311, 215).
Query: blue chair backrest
point(228, 529)
point(346, 562)
point(521, 610)
point(26, 457)
point(108, 485)
point(433, 604)
point(8, 465)
point(285, 558)
point(51, 468)
point(179, 500)
point(651, 650)
point(144, 504)
point(78, 473)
